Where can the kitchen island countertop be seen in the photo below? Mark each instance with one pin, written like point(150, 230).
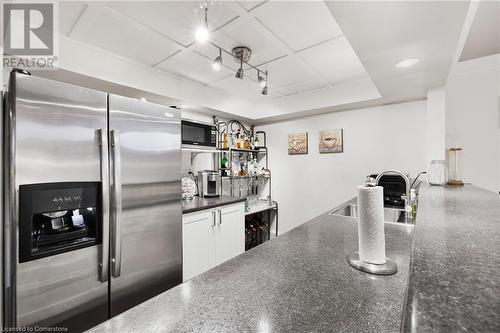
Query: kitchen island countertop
point(455, 275)
point(298, 282)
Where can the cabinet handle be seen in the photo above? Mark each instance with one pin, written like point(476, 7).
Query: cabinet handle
point(213, 218)
point(220, 216)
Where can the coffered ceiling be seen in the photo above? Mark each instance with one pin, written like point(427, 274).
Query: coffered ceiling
point(298, 42)
point(321, 55)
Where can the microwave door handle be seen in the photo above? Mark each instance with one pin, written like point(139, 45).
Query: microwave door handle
point(104, 168)
point(116, 256)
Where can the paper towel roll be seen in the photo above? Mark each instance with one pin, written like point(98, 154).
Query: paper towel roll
point(371, 234)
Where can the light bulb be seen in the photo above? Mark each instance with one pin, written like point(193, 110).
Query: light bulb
point(202, 34)
point(262, 81)
point(217, 64)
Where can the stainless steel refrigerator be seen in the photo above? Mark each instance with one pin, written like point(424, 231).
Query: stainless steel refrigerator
point(92, 203)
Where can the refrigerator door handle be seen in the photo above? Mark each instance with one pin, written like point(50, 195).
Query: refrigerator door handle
point(116, 255)
point(103, 260)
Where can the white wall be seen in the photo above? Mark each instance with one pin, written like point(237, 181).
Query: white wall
point(436, 125)
point(472, 120)
point(375, 139)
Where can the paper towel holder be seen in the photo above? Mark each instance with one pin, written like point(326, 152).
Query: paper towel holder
point(389, 268)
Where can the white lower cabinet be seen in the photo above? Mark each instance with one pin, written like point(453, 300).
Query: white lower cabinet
point(211, 237)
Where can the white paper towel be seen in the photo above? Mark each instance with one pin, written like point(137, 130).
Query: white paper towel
point(371, 234)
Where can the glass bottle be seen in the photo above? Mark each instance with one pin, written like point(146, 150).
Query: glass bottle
point(238, 140)
point(256, 142)
point(224, 165)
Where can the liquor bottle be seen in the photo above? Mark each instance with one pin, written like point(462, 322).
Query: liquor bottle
point(238, 140)
point(225, 143)
point(256, 142)
point(224, 165)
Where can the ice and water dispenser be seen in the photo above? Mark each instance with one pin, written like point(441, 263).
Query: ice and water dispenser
point(56, 218)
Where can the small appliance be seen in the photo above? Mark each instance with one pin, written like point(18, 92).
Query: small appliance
point(208, 183)
point(199, 134)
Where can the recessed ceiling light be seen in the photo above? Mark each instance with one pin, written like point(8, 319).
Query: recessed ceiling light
point(405, 63)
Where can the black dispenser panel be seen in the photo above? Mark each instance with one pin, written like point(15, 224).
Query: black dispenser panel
point(56, 218)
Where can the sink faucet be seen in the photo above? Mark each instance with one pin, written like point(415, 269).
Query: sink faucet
point(406, 197)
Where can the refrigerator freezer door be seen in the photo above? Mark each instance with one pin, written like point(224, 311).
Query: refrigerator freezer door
point(148, 260)
point(57, 139)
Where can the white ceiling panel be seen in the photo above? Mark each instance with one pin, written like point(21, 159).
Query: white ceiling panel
point(300, 87)
point(193, 66)
point(175, 19)
point(286, 71)
point(249, 5)
point(335, 60)
point(299, 24)
point(69, 13)
point(117, 35)
point(247, 89)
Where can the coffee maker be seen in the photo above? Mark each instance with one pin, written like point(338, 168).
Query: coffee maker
point(208, 183)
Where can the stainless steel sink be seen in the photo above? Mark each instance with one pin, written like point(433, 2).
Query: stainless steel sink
point(390, 214)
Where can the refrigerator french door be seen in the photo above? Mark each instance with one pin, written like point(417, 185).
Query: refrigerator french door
point(92, 205)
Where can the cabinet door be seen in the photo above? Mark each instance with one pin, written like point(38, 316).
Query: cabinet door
point(198, 242)
point(230, 236)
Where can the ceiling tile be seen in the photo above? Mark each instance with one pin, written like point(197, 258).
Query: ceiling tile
point(69, 13)
point(176, 19)
point(299, 24)
point(287, 70)
point(301, 87)
point(247, 89)
point(249, 5)
point(335, 60)
point(115, 34)
point(193, 66)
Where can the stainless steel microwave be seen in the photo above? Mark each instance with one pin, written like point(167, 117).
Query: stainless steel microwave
point(199, 134)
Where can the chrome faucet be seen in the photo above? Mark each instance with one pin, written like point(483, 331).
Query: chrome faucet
point(406, 197)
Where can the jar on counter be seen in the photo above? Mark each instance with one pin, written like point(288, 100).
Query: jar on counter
point(438, 173)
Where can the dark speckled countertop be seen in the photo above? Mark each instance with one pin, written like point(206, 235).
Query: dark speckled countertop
point(197, 203)
point(298, 282)
point(455, 275)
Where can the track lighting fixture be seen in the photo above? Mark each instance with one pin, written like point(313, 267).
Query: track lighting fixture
point(239, 72)
point(262, 81)
point(217, 64)
point(240, 54)
point(202, 35)
point(264, 90)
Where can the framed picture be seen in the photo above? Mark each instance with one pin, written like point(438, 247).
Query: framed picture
point(297, 143)
point(331, 141)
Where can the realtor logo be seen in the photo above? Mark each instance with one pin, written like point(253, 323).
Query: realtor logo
point(29, 35)
point(28, 29)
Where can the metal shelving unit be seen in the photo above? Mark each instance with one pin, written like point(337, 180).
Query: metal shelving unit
point(261, 155)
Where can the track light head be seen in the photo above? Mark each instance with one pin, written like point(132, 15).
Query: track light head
point(239, 72)
point(217, 64)
point(261, 80)
point(202, 35)
point(264, 91)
